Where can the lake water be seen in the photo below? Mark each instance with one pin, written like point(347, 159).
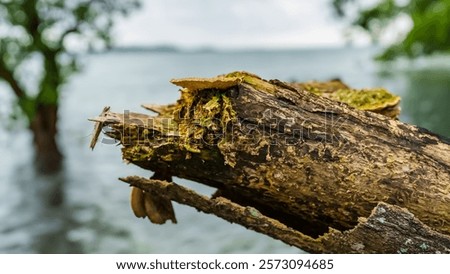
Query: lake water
point(85, 209)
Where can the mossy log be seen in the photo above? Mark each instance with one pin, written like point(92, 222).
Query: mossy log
point(307, 162)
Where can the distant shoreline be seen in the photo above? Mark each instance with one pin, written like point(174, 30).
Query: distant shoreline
point(176, 49)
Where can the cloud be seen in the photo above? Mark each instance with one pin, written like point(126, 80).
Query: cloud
point(231, 24)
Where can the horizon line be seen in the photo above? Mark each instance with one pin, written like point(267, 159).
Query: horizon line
point(173, 48)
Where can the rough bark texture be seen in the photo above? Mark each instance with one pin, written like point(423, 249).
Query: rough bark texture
point(303, 160)
point(43, 127)
point(389, 229)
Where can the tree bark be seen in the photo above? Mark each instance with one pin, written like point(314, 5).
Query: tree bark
point(388, 229)
point(44, 128)
point(308, 162)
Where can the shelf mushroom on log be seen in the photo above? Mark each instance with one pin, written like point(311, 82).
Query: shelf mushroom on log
point(319, 166)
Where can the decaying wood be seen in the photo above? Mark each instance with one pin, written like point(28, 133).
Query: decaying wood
point(307, 162)
point(97, 128)
point(368, 99)
point(388, 229)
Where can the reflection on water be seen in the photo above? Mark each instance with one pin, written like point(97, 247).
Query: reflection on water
point(85, 209)
point(38, 217)
point(42, 209)
point(42, 219)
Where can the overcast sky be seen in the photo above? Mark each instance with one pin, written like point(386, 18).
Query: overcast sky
point(232, 24)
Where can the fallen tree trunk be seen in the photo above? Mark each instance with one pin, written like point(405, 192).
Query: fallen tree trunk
point(305, 161)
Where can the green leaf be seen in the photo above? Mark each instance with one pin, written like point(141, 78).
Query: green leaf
point(429, 34)
point(39, 28)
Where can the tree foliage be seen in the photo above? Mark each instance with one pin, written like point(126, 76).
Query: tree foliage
point(46, 35)
point(430, 32)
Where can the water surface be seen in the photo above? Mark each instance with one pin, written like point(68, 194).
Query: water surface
point(85, 209)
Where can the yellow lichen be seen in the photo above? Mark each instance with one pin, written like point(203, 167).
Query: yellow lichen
point(201, 117)
point(366, 99)
point(219, 82)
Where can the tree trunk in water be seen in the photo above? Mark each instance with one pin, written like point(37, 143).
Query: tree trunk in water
point(43, 126)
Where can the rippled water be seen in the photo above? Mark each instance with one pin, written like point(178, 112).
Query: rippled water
point(85, 209)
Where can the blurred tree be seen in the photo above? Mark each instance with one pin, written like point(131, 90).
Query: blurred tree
point(430, 19)
point(42, 37)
